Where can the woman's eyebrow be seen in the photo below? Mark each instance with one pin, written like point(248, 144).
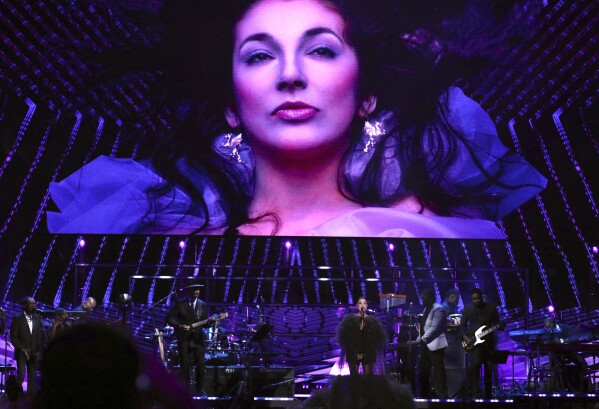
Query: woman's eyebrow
point(313, 32)
point(260, 37)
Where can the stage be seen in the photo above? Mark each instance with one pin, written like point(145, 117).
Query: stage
point(552, 401)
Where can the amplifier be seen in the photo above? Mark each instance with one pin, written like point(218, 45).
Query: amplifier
point(271, 381)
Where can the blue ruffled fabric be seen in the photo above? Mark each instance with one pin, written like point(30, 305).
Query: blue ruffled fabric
point(109, 195)
point(516, 183)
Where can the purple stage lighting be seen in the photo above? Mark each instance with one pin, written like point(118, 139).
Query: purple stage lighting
point(595, 249)
point(182, 244)
point(391, 246)
point(81, 243)
point(551, 309)
point(287, 245)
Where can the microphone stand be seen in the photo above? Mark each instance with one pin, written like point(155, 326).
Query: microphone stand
point(151, 307)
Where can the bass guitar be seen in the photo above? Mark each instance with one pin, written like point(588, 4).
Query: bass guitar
point(479, 334)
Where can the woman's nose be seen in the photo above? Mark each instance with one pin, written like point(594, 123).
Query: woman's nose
point(291, 76)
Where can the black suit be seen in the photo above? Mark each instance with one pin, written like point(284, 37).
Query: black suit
point(28, 345)
point(483, 354)
point(190, 344)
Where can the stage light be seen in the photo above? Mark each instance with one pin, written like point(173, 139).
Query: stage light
point(551, 309)
point(81, 243)
point(124, 300)
point(287, 245)
point(181, 244)
point(391, 247)
point(595, 249)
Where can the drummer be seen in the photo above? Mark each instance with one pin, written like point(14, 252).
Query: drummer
point(452, 309)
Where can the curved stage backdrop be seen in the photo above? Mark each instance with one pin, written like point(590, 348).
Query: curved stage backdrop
point(547, 110)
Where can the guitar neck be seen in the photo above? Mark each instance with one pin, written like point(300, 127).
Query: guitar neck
point(489, 330)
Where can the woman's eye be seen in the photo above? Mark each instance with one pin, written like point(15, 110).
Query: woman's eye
point(257, 57)
point(323, 51)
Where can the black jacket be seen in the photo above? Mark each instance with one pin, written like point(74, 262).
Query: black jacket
point(182, 313)
point(23, 339)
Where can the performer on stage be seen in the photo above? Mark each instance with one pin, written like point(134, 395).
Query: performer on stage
point(59, 323)
point(88, 305)
point(476, 315)
point(190, 340)
point(362, 338)
point(452, 309)
point(26, 337)
point(432, 337)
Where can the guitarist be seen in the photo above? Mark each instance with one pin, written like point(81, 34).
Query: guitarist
point(190, 341)
point(475, 315)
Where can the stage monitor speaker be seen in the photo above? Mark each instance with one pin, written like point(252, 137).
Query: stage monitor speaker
point(455, 357)
point(456, 382)
point(272, 381)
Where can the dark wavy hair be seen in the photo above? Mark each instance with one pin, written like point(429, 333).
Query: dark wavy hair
point(188, 43)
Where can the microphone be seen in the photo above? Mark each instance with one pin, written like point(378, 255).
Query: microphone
point(40, 312)
point(367, 310)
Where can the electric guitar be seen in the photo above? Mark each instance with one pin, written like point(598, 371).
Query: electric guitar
point(214, 317)
point(479, 334)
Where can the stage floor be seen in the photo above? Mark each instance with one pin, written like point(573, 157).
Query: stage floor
point(533, 401)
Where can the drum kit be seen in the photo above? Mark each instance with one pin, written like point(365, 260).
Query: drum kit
point(223, 348)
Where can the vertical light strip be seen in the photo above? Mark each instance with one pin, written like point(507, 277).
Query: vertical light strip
point(342, 263)
point(10, 157)
point(411, 267)
point(43, 267)
point(325, 251)
point(98, 135)
point(297, 260)
point(140, 260)
point(357, 264)
point(19, 138)
point(40, 151)
point(231, 269)
point(273, 293)
point(589, 194)
point(541, 267)
point(90, 274)
point(427, 260)
point(70, 267)
point(249, 262)
point(41, 209)
point(508, 246)
point(375, 264)
point(314, 271)
point(264, 262)
point(498, 284)
point(115, 271)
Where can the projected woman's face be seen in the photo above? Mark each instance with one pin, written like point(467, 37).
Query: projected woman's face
point(294, 76)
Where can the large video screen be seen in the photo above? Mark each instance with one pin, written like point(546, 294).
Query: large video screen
point(289, 118)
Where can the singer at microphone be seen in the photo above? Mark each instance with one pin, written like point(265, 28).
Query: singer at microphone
point(362, 338)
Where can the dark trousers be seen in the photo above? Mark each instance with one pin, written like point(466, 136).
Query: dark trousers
point(482, 356)
point(432, 360)
point(192, 351)
point(29, 365)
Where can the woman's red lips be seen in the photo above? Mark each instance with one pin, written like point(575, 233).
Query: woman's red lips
point(295, 111)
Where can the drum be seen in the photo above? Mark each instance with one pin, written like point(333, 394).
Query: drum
point(172, 355)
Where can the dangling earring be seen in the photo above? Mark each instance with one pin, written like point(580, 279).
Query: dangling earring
point(374, 130)
point(232, 141)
